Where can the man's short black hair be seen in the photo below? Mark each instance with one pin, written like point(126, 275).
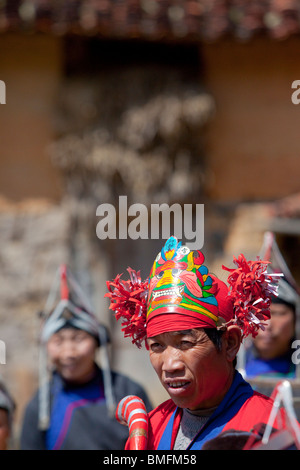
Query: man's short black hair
point(216, 337)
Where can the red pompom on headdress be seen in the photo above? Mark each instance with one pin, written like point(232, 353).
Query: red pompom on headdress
point(128, 299)
point(251, 290)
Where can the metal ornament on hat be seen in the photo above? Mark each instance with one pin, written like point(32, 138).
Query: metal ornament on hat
point(251, 288)
point(128, 300)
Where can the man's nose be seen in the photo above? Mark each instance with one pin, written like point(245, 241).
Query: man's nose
point(68, 349)
point(172, 361)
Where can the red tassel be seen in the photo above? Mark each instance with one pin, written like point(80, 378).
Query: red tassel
point(64, 290)
point(251, 291)
point(128, 299)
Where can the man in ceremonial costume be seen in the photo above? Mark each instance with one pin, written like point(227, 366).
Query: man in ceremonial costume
point(193, 324)
point(270, 353)
point(74, 406)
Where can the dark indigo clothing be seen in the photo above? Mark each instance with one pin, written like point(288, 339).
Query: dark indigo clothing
point(279, 367)
point(79, 417)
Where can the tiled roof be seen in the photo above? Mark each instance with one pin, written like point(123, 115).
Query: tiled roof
point(154, 19)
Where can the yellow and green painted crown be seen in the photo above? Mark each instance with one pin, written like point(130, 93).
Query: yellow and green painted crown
point(180, 283)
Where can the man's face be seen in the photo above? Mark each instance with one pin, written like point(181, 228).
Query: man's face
point(72, 352)
point(275, 339)
point(195, 374)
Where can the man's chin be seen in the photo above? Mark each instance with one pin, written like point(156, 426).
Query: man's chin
point(70, 374)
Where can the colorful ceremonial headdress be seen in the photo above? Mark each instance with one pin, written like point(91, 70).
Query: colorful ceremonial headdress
point(179, 282)
point(67, 306)
point(181, 294)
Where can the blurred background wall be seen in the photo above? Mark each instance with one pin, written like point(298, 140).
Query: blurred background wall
point(186, 101)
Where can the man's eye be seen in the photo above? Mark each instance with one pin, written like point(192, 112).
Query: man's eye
point(57, 341)
point(186, 344)
point(156, 347)
point(79, 337)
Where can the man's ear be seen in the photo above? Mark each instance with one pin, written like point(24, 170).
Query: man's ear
point(233, 337)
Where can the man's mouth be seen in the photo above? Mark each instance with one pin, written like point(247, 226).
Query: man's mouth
point(177, 384)
point(267, 338)
point(69, 366)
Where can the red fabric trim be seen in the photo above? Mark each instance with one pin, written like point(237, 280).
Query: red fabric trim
point(158, 420)
point(255, 410)
point(225, 303)
point(176, 425)
point(163, 323)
